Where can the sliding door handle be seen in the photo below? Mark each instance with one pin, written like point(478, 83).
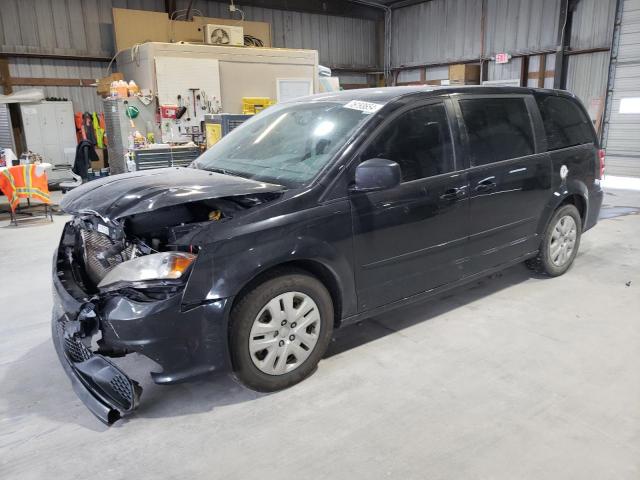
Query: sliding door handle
point(486, 185)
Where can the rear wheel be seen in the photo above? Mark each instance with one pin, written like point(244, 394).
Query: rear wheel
point(280, 330)
point(560, 242)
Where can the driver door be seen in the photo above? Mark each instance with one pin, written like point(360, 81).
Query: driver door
point(411, 238)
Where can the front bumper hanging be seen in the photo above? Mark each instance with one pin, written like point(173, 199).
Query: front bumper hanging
point(101, 385)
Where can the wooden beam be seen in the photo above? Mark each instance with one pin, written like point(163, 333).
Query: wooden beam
point(339, 8)
point(542, 67)
point(5, 77)
point(524, 71)
point(353, 69)
point(54, 82)
point(537, 76)
point(53, 56)
point(580, 51)
point(353, 86)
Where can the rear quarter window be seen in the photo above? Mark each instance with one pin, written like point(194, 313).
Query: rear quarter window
point(565, 123)
point(498, 128)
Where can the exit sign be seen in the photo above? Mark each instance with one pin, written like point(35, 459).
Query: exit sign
point(502, 57)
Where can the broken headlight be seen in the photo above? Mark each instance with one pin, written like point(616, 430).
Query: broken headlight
point(160, 267)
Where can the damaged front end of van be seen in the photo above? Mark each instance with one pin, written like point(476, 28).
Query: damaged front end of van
point(128, 277)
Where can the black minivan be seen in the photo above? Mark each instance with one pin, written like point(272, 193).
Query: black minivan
point(312, 215)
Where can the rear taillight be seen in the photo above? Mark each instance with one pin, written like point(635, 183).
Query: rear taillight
point(601, 156)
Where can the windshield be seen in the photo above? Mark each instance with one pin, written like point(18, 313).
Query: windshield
point(286, 144)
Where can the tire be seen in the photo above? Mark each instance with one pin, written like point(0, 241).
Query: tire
point(301, 330)
point(562, 234)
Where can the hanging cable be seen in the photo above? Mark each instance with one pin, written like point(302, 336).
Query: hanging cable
point(251, 41)
point(234, 8)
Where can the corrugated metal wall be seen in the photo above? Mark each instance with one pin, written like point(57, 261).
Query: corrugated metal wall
point(592, 25)
point(623, 132)
point(410, 75)
point(448, 31)
point(504, 71)
point(520, 26)
point(438, 31)
point(65, 27)
point(587, 74)
point(85, 27)
point(587, 77)
point(443, 31)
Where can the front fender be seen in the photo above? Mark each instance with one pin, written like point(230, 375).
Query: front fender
point(322, 235)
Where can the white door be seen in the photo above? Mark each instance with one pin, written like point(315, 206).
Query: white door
point(66, 129)
point(48, 123)
point(31, 124)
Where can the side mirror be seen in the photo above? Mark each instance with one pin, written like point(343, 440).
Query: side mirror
point(376, 174)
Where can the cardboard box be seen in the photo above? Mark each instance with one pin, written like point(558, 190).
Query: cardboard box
point(104, 84)
point(464, 74)
point(98, 164)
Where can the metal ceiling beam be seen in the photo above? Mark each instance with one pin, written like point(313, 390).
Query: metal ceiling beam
point(405, 3)
point(340, 8)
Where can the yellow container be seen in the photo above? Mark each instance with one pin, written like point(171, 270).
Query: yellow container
point(253, 105)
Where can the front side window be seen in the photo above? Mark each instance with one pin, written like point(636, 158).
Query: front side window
point(287, 144)
point(418, 140)
point(565, 123)
point(497, 128)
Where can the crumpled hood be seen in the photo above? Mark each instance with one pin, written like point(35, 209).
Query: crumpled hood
point(126, 194)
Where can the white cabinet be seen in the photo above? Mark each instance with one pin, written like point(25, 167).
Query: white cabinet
point(49, 128)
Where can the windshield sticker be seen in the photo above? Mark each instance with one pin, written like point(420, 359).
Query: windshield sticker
point(364, 107)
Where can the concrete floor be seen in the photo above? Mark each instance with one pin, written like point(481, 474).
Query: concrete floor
point(513, 377)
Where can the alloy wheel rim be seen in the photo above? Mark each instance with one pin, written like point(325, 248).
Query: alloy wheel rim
point(284, 333)
point(563, 241)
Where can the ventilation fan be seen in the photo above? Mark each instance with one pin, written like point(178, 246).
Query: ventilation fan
point(224, 35)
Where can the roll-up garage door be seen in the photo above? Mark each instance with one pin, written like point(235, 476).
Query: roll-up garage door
point(6, 132)
point(622, 134)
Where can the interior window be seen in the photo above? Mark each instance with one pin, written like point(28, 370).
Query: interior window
point(565, 123)
point(498, 129)
point(419, 141)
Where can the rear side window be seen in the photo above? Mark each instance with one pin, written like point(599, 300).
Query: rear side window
point(565, 123)
point(498, 129)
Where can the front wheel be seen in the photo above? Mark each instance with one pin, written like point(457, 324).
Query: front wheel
point(560, 243)
point(280, 330)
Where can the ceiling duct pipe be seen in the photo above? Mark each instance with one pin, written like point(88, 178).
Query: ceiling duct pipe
point(387, 36)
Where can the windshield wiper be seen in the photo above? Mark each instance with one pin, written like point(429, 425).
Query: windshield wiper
point(223, 171)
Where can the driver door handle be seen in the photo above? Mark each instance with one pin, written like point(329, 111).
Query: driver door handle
point(454, 193)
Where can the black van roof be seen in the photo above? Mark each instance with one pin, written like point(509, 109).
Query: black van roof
point(383, 95)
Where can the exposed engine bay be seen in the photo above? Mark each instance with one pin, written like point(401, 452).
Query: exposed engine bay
point(102, 244)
